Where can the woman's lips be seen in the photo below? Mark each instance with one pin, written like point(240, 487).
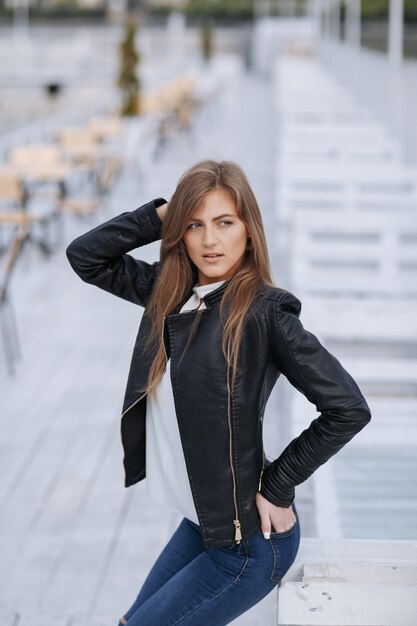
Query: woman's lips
point(212, 259)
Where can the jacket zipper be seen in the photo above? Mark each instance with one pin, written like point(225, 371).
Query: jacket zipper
point(262, 471)
point(260, 480)
point(142, 396)
point(236, 521)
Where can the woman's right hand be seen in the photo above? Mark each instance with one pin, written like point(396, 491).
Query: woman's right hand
point(272, 516)
point(162, 210)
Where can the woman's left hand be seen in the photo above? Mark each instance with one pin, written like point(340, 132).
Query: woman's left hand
point(280, 518)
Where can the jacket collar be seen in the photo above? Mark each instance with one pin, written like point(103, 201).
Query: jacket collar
point(210, 298)
point(201, 291)
point(216, 294)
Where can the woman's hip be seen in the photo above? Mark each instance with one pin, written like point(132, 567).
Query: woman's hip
point(257, 558)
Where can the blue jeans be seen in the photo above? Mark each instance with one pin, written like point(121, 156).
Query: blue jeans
point(195, 586)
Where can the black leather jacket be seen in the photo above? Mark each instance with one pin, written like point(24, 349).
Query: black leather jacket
point(221, 431)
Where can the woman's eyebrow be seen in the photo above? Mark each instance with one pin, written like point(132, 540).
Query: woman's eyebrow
point(214, 218)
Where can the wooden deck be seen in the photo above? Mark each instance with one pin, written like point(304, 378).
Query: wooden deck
point(75, 544)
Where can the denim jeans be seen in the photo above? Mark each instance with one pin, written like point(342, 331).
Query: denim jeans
point(195, 586)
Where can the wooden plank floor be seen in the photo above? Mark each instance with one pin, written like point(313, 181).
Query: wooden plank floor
point(75, 544)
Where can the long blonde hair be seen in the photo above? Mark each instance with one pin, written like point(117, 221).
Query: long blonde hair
point(178, 273)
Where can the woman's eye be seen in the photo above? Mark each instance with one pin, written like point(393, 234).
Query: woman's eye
point(225, 222)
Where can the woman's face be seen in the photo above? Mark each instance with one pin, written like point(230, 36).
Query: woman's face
point(215, 228)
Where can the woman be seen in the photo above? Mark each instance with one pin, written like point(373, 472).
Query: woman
point(215, 335)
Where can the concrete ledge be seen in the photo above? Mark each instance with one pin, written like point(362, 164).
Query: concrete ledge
point(351, 582)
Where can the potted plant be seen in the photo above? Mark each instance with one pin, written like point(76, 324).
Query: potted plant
point(128, 79)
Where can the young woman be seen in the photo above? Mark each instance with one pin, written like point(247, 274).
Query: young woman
point(215, 335)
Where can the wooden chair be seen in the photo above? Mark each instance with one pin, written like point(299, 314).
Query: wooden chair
point(103, 128)
point(14, 196)
point(11, 189)
point(21, 221)
point(173, 104)
point(16, 216)
point(43, 165)
point(35, 156)
point(85, 147)
point(81, 146)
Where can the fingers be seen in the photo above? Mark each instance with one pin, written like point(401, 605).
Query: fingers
point(265, 521)
point(266, 527)
point(291, 523)
point(281, 525)
point(267, 524)
point(280, 519)
point(287, 524)
point(263, 510)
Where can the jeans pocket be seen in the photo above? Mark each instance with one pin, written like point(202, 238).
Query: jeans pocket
point(284, 546)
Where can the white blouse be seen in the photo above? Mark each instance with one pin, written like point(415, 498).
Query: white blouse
point(166, 473)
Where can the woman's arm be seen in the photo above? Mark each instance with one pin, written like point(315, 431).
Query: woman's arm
point(317, 374)
point(100, 258)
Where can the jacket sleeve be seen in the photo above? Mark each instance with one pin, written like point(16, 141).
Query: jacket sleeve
point(316, 373)
point(100, 258)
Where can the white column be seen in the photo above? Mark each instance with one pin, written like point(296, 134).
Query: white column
point(335, 19)
point(353, 23)
point(292, 8)
point(327, 15)
point(258, 8)
point(395, 89)
point(21, 18)
point(318, 9)
point(176, 33)
point(315, 10)
point(395, 32)
point(117, 9)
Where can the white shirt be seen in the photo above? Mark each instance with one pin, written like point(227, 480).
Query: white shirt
point(166, 473)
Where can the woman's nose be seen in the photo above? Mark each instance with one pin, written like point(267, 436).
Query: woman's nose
point(209, 237)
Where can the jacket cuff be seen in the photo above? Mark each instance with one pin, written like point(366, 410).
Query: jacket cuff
point(154, 215)
point(148, 213)
point(273, 492)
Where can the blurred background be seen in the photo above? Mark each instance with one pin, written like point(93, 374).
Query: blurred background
point(103, 105)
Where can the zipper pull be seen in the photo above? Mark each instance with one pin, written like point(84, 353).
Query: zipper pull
point(260, 480)
point(238, 534)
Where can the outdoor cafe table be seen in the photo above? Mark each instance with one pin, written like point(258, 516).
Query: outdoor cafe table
point(37, 176)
